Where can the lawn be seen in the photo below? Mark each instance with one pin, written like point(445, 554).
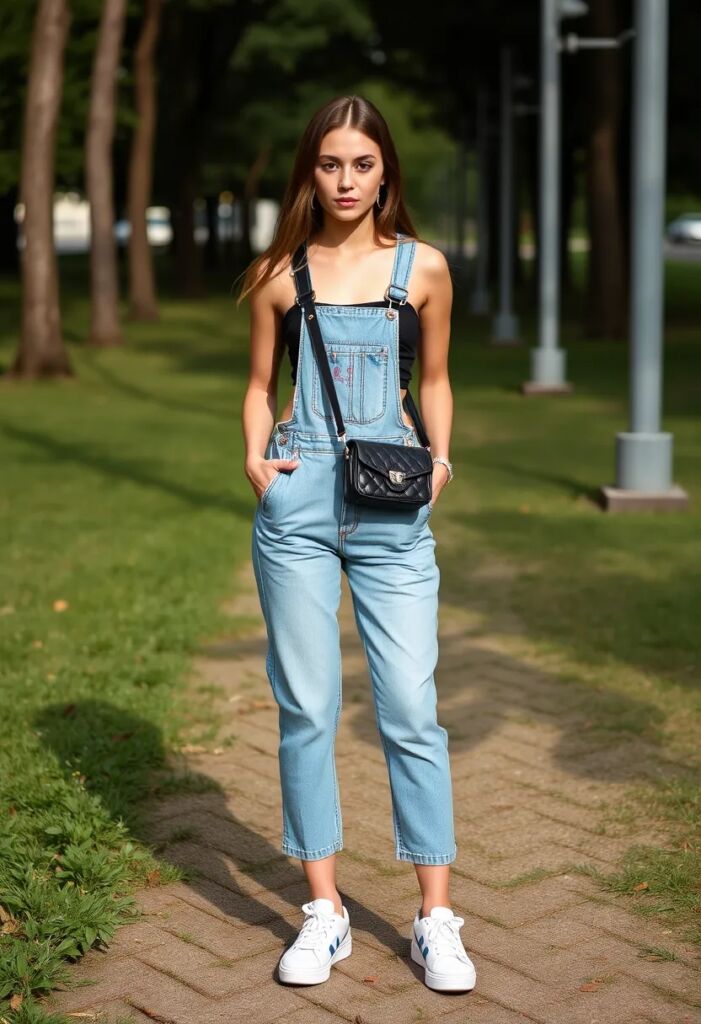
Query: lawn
point(126, 513)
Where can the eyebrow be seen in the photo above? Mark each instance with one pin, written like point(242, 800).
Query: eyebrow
point(330, 156)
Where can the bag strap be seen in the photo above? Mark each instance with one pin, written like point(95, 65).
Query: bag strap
point(304, 298)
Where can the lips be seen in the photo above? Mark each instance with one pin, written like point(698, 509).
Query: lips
point(346, 202)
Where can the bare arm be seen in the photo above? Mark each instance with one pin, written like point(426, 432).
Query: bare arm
point(259, 409)
point(435, 393)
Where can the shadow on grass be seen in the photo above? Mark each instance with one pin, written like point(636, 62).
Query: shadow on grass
point(140, 472)
point(606, 593)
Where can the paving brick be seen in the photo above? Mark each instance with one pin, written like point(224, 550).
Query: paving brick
point(516, 906)
point(137, 983)
point(117, 1010)
point(602, 954)
point(602, 914)
point(509, 988)
point(198, 968)
point(260, 1004)
point(483, 1011)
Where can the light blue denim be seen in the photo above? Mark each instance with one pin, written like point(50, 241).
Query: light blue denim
point(304, 535)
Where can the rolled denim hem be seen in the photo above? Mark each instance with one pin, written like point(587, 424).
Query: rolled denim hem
point(324, 851)
point(427, 858)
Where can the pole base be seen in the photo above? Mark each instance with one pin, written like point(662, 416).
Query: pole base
point(644, 461)
point(532, 387)
point(547, 371)
point(616, 499)
point(505, 330)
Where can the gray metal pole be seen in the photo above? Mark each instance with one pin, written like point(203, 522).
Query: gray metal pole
point(479, 302)
point(505, 328)
point(548, 360)
point(644, 453)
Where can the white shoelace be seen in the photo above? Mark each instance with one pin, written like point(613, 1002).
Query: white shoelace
point(442, 936)
point(315, 927)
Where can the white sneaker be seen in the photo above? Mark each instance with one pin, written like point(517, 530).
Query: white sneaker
point(324, 938)
point(437, 946)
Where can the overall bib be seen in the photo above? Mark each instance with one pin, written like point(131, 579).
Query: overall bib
point(304, 534)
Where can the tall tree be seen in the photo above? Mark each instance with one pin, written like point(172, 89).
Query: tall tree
point(142, 287)
point(104, 314)
point(41, 351)
point(606, 305)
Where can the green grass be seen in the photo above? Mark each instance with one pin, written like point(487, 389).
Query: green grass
point(124, 499)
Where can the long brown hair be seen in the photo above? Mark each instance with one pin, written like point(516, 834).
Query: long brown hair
point(297, 219)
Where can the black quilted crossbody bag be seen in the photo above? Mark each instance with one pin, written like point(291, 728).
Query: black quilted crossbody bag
point(377, 473)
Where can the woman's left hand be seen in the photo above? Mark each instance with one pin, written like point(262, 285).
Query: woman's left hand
point(439, 480)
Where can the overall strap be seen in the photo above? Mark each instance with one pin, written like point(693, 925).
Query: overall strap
point(304, 298)
point(299, 270)
point(397, 290)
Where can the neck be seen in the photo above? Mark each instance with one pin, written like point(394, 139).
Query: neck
point(348, 239)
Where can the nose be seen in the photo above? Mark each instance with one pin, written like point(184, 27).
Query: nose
point(346, 180)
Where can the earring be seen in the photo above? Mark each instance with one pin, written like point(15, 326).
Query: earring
point(311, 204)
point(377, 200)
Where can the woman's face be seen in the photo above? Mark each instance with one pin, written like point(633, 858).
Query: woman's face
point(349, 166)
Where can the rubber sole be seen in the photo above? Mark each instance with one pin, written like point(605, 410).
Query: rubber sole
point(305, 976)
point(442, 982)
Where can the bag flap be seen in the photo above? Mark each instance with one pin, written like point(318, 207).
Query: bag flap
point(381, 458)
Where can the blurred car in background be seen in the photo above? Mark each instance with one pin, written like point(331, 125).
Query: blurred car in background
point(685, 230)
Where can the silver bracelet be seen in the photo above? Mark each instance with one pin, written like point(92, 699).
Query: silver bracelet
point(448, 465)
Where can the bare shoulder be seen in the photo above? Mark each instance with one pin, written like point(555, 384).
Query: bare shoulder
point(271, 294)
point(433, 272)
point(431, 261)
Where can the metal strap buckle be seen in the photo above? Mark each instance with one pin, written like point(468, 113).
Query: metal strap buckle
point(303, 299)
point(399, 302)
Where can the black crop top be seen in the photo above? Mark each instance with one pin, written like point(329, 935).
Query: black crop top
point(409, 331)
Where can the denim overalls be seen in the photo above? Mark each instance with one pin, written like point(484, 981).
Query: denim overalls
point(304, 534)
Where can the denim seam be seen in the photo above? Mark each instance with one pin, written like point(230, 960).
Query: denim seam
point(427, 858)
point(302, 854)
point(337, 797)
point(271, 661)
point(395, 816)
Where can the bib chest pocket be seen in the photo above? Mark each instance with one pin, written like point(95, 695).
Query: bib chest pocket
point(360, 377)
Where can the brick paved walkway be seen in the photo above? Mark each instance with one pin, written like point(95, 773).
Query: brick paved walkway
point(530, 787)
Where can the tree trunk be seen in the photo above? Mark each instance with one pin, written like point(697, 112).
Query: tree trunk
point(142, 286)
point(104, 313)
point(606, 285)
point(41, 351)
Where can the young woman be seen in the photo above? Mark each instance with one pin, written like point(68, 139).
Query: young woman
point(343, 212)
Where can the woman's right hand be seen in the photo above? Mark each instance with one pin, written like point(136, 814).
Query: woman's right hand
point(260, 477)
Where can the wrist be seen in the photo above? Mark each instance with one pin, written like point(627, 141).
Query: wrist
point(443, 460)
